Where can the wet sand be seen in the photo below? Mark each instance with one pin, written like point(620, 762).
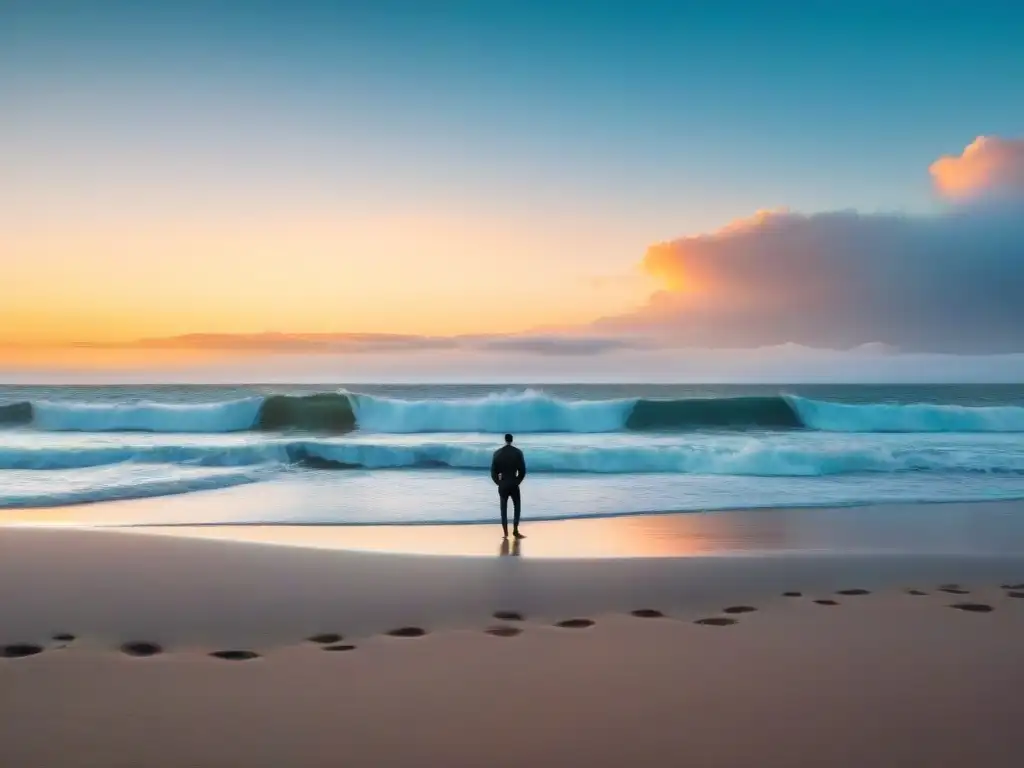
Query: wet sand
point(995, 527)
point(119, 649)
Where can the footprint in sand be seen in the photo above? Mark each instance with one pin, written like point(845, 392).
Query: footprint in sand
point(954, 589)
point(716, 621)
point(647, 613)
point(141, 648)
point(408, 632)
point(19, 650)
point(1012, 586)
point(916, 592)
point(972, 607)
point(339, 647)
point(575, 623)
point(853, 592)
point(508, 616)
point(235, 655)
point(739, 609)
point(1015, 594)
point(503, 631)
point(326, 638)
point(826, 602)
point(792, 594)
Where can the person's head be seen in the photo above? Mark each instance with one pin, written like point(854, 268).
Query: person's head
point(508, 439)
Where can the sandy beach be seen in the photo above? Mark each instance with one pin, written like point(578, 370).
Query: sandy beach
point(366, 658)
point(715, 309)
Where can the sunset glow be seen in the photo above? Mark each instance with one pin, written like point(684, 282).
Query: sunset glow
point(178, 171)
point(393, 275)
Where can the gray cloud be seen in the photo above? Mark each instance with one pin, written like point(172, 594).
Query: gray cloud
point(370, 343)
point(298, 342)
point(559, 345)
point(951, 282)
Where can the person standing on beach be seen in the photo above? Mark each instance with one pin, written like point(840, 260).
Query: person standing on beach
point(508, 468)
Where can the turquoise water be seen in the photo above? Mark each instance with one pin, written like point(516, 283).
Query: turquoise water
point(406, 454)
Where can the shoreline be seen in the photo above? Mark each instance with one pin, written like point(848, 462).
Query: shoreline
point(541, 519)
point(919, 528)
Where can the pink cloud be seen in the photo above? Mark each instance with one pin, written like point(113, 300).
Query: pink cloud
point(988, 166)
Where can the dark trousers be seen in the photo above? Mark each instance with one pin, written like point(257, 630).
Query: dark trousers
point(506, 493)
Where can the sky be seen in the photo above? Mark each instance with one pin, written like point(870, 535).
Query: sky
point(566, 185)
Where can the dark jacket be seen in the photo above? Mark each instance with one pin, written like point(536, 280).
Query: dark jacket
point(508, 467)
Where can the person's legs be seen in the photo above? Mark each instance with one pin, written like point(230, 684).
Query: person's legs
point(516, 504)
point(503, 496)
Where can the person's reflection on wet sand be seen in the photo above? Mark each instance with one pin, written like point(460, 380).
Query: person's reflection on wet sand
point(514, 549)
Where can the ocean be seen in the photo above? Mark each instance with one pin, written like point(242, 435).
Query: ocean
point(391, 454)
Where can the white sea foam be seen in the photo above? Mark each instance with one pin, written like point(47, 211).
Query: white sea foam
point(31, 489)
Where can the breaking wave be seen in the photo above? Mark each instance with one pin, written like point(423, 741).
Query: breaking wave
point(916, 417)
point(529, 411)
point(230, 416)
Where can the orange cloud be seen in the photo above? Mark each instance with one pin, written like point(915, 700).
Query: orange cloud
point(690, 265)
point(989, 165)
